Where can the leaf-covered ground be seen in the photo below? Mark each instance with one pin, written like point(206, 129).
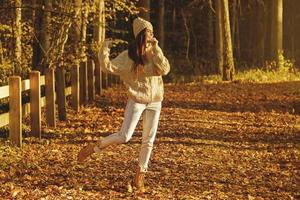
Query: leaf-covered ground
point(215, 141)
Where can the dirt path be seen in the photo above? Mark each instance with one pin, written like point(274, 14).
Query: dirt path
point(215, 141)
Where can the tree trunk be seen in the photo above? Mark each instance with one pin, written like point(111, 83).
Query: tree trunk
point(234, 21)
point(235, 37)
point(18, 30)
point(276, 33)
point(99, 23)
point(45, 35)
point(297, 33)
point(279, 31)
point(161, 23)
point(83, 29)
point(210, 25)
point(1, 53)
point(77, 29)
point(188, 36)
point(219, 36)
point(84, 18)
point(98, 36)
point(237, 41)
point(289, 28)
point(267, 28)
point(18, 35)
point(252, 41)
point(144, 6)
point(293, 32)
point(174, 14)
point(36, 50)
point(41, 43)
point(228, 65)
point(260, 35)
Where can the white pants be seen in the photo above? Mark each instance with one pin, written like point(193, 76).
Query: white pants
point(133, 113)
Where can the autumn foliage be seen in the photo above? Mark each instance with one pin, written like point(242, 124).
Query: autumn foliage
point(215, 141)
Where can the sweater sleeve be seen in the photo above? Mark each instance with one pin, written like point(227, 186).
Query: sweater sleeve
point(161, 63)
point(115, 66)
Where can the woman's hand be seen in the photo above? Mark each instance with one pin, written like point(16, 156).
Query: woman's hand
point(153, 44)
point(154, 41)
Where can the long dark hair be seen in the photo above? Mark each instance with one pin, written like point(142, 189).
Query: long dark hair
point(137, 51)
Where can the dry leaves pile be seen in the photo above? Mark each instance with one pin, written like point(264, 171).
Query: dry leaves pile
point(215, 141)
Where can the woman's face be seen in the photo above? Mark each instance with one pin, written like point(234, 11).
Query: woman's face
point(149, 35)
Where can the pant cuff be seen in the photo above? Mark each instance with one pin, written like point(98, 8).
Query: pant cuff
point(143, 169)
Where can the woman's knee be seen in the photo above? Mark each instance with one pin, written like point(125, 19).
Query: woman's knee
point(147, 144)
point(124, 138)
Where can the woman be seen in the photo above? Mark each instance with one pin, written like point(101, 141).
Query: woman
point(141, 68)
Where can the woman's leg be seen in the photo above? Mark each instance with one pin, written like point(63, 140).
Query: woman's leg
point(150, 124)
point(133, 113)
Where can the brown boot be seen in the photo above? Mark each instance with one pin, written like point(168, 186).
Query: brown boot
point(139, 180)
point(85, 152)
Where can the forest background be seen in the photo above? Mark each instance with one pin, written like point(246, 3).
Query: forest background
point(232, 132)
point(252, 40)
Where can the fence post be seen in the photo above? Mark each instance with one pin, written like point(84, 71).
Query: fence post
point(35, 103)
point(61, 94)
point(50, 97)
point(15, 110)
point(118, 81)
point(108, 80)
point(91, 80)
point(75, 87)
point(113, 81)
point(83, 83)
point(104, 80)
point(98, 77)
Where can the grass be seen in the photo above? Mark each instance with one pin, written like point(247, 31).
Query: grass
point(270, 73)
point(267, 74)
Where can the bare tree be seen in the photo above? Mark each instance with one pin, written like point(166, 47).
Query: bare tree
point(210, 25)
point(228, 65)
point(258, 34)
point(188, 35)
point(219, 36)
point(41, 44)
point(99, 36)
point(18, 35)
point(161, 23)
point(77, 27)
point(1, 53)
point(276, 30)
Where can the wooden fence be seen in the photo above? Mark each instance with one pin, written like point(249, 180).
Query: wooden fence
point(82, 90)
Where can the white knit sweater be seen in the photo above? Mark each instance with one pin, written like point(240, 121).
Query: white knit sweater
point(145, 86)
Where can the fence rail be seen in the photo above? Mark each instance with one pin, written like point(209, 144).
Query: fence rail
point(82, 89)
point(4, 93)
